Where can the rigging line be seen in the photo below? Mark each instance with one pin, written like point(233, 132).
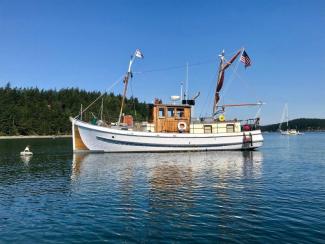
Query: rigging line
point(111, 87)
point(250, 89)
point(231, 79)
point(175, 67)
point(209, 94)
point(206, 105)
point(258, 112)
point(133, 101)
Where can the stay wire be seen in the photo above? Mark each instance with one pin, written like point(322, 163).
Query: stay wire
point(175, 67)
point(106, 91)
point(133, 99)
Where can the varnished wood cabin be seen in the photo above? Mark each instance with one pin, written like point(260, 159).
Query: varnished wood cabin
point(172, 118)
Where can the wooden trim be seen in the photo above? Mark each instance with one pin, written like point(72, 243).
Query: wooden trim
point(79, 144)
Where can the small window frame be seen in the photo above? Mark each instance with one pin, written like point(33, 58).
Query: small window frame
point(163, 110)
point(230, 128)
point(207, 129)
point(171, 110)
point(180, 113)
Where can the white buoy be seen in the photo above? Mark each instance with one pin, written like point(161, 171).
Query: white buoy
point(26, 152)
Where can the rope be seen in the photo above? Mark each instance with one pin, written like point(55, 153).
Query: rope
point(133, 98)
point(175, 67)
point(208, 99)
point(250, 89)
point(231, 79)
point(110, 88)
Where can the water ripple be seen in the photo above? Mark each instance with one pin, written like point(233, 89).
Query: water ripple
point(273, 195)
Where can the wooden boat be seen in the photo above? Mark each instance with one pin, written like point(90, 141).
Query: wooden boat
point(170, 127)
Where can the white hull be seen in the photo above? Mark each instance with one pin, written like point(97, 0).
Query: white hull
point(102, 139)
point(290, 133)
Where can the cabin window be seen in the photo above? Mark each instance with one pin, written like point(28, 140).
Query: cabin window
point(170, 112)
point(207, 129)
point(161, 112)
point(230, 128)
point(180, 112)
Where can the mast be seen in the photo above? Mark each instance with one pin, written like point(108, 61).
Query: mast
point(287, 116)
point(137, 54)
point(126, 81)
point(223, 65)
point(101, 109)
point(216, 96)
point(284, 116)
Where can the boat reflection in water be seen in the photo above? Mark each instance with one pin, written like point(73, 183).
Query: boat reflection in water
point(171, 168)
point(26, 159)
point(162, 195)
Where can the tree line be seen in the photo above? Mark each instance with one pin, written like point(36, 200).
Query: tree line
point(303, 124)
point(34, 111)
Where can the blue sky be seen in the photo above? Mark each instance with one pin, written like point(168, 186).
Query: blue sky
point(87, 44)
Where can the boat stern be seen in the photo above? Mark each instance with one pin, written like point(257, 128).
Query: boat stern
point(252, 140)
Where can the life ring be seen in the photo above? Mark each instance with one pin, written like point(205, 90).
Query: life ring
point(181, 126)
point(221, 117)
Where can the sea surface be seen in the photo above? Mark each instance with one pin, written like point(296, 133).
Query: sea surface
point(273, 195)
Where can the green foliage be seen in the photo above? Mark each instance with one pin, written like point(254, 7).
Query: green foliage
point(300, 124)
point(31, 111)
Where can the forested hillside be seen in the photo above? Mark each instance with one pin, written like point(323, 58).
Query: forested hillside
point(300, 124)
point(31, 111)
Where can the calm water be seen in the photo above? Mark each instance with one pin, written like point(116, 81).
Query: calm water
point(274, 194)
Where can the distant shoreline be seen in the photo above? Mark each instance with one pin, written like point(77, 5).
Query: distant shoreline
point(34, 137)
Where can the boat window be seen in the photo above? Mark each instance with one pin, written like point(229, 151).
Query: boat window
point(230, 128)
point(161, 112)
point(180, 112)
point(207, 129)
point(170, 112)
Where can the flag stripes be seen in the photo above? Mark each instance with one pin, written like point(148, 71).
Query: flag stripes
point(245, 59)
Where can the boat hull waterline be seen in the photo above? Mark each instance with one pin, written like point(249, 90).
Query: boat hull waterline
point(93, 138)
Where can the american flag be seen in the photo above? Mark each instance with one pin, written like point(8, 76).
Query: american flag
point(245, 59)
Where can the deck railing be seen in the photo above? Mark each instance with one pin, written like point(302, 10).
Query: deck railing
point(138, 125)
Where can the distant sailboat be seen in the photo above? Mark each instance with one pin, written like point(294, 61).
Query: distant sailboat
point(288, 131)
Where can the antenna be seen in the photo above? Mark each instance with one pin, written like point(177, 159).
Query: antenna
point(186, 80)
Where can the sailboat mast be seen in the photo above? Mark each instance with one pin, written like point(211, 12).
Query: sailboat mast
point(287, 116)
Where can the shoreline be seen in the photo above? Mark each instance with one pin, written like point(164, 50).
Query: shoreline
point(35, 137)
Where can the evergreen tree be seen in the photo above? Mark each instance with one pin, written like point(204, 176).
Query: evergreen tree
point(31, 111)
